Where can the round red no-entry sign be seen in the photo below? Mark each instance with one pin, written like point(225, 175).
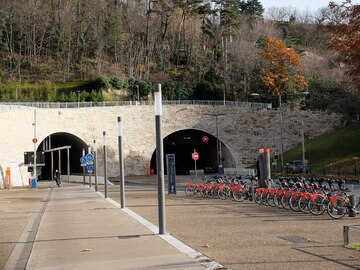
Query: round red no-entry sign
point(205, 139)
point(195, 156)
point(34, 140)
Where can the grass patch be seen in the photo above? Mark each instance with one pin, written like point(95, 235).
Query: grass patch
point(355, 246)
point(340, 147)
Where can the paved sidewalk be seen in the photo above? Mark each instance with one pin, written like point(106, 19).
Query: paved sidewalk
point(76, 228)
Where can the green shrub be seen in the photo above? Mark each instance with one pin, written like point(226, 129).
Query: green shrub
point(102, 83)
point(117, 83)
point(175, 90)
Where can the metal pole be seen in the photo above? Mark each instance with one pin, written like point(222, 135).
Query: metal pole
point(303, 145)
point(217, 142)
point(35, 172)
point(68, 164)
point(95, 166)
point(195, 165)
point(59, 163)
point(52, 159)
point(160, 159)
point(281, 135)
point(78, 92)
point(121, 164)
point(105, 172)
point(83, 154)
point(89, 151)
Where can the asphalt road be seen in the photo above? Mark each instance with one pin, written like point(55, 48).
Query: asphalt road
point(245, 235)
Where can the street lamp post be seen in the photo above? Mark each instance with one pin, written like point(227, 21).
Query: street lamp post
point(95, 165)
point(218, 143)
point(303, 145)
point(121, 164)
point(160, 159)
point(281, 135)
point(35, 140)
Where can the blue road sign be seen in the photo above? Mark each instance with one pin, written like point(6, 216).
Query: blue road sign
point(82, 160)
point(89, 157)
point(90, 168)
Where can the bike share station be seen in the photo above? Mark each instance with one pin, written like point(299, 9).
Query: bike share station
point(264, 173)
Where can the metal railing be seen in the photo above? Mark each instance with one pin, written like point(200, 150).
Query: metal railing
point(5, 106)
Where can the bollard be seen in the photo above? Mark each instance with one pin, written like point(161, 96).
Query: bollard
point(352, 211)
point(346, 235)
point(251, 192)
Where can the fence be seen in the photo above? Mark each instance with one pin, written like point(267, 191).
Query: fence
point(64, 105)
point(338, 170)
point(229, 171)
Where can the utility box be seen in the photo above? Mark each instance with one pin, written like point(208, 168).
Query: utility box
point(33, 183)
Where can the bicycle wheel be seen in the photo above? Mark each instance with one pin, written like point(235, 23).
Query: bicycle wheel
point(263, 198)
point(293, 203)
point(190, 190)
point(285, 202)
point(317, 206)
point(239, 195)
point(257, 198)
point(277, 201)
point(198, 192)
point(303, 205)
point(203, 192)
point(223, 193)
point(337, 209)
point(270, 199)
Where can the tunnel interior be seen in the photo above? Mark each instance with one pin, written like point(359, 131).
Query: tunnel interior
point(57, 140)
point(183, 143)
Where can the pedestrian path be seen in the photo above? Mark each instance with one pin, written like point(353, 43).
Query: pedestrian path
point(76, 228)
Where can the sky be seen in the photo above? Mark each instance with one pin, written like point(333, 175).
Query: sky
point(312, 5)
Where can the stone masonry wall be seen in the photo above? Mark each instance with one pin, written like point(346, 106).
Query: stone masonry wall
point(242, 130)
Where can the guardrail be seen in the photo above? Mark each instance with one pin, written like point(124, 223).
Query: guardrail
point(64, 105)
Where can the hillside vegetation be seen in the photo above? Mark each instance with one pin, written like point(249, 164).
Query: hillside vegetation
point(198, 46)
point(340, 147)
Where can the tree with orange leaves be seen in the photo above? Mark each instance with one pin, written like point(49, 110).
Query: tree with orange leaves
point(281, 68)
point(345, 39)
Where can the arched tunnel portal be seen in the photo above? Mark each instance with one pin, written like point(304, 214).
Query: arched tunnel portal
point(58, 140)
point(183, 143)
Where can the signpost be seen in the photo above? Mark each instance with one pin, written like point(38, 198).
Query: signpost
point(90, 168)
point(171, 172)
point(195, 157)
point(87, 163)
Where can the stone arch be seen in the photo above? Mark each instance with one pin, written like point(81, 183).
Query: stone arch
point(60, 139)
point(183, 142)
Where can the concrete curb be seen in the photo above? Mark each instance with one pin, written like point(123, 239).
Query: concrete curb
point(197, 256)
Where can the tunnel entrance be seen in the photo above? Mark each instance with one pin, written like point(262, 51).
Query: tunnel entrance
point(183, 143)
point(57, 140)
